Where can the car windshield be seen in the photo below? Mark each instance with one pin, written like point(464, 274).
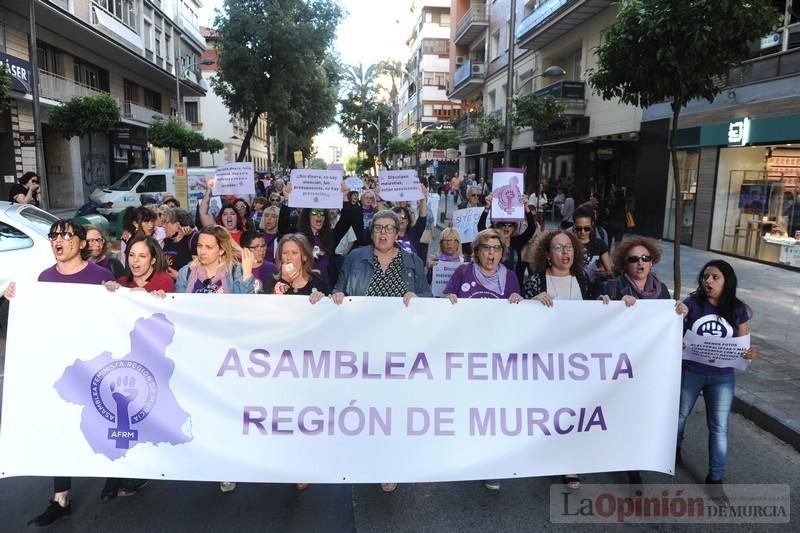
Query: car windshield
point(36, 219)
point(126, 182)
point(13, 239)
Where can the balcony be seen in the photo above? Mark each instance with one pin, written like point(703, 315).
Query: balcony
point(62, 89)
point(468, 130)
point(570, 93)
point(554, 18)
point(467, 78)
point(472, 24)
point(140, 113)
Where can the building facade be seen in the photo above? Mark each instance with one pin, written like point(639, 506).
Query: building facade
point(738, 158)
point(130, 49)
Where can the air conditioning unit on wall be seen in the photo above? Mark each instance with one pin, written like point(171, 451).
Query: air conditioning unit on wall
point(460, 60)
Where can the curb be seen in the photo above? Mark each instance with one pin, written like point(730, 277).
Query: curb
point(766, 421)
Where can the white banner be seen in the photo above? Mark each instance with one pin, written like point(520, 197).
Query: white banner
point(441, 274)
point(722, 352)
point(273, 389)
point(399, 185)
point(507, 187)
point(320, 189)
point(466, 222)
point(236, 179)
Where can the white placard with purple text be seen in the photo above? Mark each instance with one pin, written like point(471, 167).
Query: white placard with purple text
point(258, 388)
point(237, 179)
point(316, 188)
point(441, 274)
point(399, 185)
point(508, 185)
point(466, 222)
point(721, 352)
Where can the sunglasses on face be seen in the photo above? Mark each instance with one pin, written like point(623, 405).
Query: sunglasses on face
point(317, 213)
point(636, 258)
point(583, 229)
point(66, 235)
point(274, 200)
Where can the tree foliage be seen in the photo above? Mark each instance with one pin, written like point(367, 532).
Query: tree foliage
point(667, 50)
point(318, 163)
point(397, 147)
point(5, 86)
point(85, 115)
point(274, 58)
point(490, 128)
point(172, 134)
point(539, 112)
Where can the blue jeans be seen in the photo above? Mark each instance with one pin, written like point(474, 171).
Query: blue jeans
point(718, 395)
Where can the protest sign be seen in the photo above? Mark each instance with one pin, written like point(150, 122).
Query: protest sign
point(354, 182)
point(433, 209)
point(721, 352)
point(234, 179)
point(399, 185)
point(316, 188)
point(466, 222)
point(507, 187)
point(176, 388)
point(441, 274)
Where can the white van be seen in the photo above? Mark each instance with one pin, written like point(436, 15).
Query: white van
point(155, 182)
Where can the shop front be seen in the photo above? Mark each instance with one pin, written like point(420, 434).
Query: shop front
point(130, 149)
point(741, 189)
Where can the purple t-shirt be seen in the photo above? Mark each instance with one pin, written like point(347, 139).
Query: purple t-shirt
point(464, 284)
point(91, 275)
point(703, 319)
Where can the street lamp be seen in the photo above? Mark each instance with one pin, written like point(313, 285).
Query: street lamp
point(377, 127)
point(179, 72)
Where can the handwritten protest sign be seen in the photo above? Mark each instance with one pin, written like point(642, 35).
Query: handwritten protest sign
point(235, 179)
point(466, 222)
point(433, 209)
point(316, 188)
point(721, 352)
point(354, 182)
point(399, 185)
point(507, 187)
point(441, 274)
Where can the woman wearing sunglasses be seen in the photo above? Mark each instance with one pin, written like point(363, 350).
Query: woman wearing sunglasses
point(596, 262)
point(514, 244)
point(26, 191)
point(315, 226)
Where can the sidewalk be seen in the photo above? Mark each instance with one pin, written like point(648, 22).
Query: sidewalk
point(768, 393)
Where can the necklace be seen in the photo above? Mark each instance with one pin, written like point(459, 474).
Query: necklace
point(552, 283)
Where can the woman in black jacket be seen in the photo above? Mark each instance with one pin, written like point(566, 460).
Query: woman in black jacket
point(514, 243)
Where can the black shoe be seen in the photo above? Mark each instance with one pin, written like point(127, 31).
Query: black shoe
point(110, 489)
point(52, 514)
point(132, 486)
point(635, 477)
point(716, 491)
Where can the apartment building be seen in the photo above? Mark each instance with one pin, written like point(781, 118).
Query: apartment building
point(209, 116)
point(739, 157)
point(131, 49)
point(595, 149)
point(423, 100)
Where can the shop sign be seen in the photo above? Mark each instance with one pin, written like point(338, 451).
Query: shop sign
point(27, 138)
point(574, 127)
point(20, 73)
point(773, 39)
point(606, 153)
point(739, 132)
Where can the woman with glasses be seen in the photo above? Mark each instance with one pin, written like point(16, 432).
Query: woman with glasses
point(514, 244)
point(97, 242)
point(410, 231)
point(558, 275)
point(26, 191)
point(449, 250)
point(269, 229)
point(295, 273)
point(485, 276)
point(263, 270)
point(284, 213)
point(384, 270)
point(597, 263)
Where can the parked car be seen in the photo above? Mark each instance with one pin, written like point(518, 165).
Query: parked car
point(24, 245)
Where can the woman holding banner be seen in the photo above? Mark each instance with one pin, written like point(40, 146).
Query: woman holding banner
point(715, 310)
point(296, 274)
point(145, 268)
point(558, 275)
point(263, 270)
point(512, 259)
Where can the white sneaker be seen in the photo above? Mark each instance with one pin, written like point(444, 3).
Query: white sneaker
point(227, 486)
point(388, 487)
point(492, 484)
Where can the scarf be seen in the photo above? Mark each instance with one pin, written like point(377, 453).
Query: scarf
point(495, 281)
point(219, 280)
point(457, 258)
point(652, 287)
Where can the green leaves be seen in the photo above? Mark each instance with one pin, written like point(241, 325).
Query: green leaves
point(5, 86)
point(172, 134)
point(540, 112)
point(490, 128)
point(85, 115)
point(399, 147)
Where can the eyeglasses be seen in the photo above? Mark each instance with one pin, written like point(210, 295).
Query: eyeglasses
point(583, 229)
point(317, 213)
point(636, 258)
point(492, 247)
point(384, 228)
point(95, 241)
point(561, 248)
point(473, 195)
point(66, 235)
point(273, 200)
point(34, 181)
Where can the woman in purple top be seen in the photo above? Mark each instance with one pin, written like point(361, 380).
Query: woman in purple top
point(97, 242)
point(316, 227)
point(713, 309)
point(485, 276)
point(410, 231)
point(263, 270)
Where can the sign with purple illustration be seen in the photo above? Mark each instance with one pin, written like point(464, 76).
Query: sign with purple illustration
point(716, 350)
point(176, 388)
point(507, 187)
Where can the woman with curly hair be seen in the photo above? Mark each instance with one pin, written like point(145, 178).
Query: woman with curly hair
point(557, 269)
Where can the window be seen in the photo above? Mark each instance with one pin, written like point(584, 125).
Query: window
point(122, 10)
point(577, 62)
point(154, 183)
point(191, 112)
point(148, 36)
point(12, 238)
point(89, 75)
point(48, 60)
point(436, 46)
point(152, 100)
point(157, 48)
point(2, 37)
point(130, 91)
point(495, 45)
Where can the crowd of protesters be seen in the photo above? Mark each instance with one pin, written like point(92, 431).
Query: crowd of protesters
point(374, 248)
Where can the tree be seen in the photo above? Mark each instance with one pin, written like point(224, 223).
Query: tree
point(86, 115)
point(364, 135)
point(393, 70)
point(169, 134)
point(659, 50)
point(490, 128)
point(360, 81)
point(274, 59)
point(212, 146)
point(399, 147)
point(540, 112)
point(5, 86)
point(318, 163)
